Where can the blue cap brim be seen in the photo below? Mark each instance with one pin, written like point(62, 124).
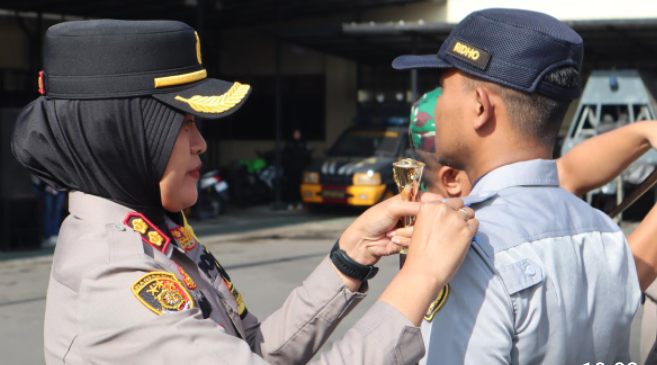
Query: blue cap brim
point(408, 62)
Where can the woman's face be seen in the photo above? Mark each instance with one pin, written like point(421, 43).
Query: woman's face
point(178, 184)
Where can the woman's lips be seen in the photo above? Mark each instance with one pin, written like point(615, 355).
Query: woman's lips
point(195, 173)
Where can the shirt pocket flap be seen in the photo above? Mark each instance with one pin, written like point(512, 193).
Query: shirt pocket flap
point(521, 275)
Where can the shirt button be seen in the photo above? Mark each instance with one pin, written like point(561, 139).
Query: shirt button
point(529, 270)
point(119, 227)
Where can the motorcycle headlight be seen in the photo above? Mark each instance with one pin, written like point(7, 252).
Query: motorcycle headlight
point(311, 178)
point(367, 178)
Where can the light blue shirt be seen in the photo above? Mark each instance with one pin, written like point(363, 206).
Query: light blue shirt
point(550, 280)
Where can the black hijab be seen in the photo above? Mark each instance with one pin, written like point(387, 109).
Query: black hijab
point(117, 149)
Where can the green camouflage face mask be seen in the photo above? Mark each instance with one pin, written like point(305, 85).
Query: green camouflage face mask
point(422, 129)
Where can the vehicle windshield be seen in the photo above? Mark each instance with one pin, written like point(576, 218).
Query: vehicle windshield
point(364, 143)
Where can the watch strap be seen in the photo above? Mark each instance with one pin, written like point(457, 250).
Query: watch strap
point(349, 266)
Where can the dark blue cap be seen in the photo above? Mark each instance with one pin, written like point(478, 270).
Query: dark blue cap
point(510, 47)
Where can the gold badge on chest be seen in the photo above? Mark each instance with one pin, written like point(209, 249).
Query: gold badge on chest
point(185, 237)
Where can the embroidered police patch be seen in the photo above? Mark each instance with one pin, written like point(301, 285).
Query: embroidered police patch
point(185, 237)
point(437, 304)
point(208, 263)
point(162, 292)
point(468, 53)
point(187, 279)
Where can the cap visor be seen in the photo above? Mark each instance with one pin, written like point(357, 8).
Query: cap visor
point(419, 61)
point(209, 99)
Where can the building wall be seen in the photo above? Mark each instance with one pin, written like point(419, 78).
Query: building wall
point(248, 52)
point(14, 46)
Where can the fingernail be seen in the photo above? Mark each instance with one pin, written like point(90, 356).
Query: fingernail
point(468, 204)
point(396, 240)
point(391, 234)
point(475, 239)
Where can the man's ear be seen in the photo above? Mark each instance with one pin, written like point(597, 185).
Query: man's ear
point(484, 107)
point(448, 177)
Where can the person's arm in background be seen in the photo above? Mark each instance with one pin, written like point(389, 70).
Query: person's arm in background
point(598, 160)
point(601, 159)
point(644, 248)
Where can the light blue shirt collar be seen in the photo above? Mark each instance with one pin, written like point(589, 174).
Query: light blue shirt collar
point(526, 173)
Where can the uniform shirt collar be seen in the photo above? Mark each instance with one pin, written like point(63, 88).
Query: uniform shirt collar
point(95, 208)
point(526, 173)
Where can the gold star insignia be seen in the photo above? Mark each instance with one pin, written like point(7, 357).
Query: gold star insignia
point(139, 225)
point(153, 290)
point(155, 238)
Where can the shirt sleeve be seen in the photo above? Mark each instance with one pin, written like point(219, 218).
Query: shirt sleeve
point(115, 327)
point(475, 323)
point(294, 333)
point(382, 336)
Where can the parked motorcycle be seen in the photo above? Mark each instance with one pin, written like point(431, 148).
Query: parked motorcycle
point(213, 196)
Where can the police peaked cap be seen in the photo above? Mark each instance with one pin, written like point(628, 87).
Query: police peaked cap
point(107, 59)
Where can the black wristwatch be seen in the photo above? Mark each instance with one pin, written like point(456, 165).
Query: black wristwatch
point(349, 266)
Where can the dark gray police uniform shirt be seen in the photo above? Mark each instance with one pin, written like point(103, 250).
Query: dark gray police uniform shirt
point(109, 292)
point(550, 280)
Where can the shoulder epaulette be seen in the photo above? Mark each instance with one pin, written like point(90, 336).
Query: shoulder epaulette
point(148, 231)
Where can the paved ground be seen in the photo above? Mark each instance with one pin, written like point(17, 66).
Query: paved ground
point(267, 255)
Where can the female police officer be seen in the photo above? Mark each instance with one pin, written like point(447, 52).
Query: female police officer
point(131, 283)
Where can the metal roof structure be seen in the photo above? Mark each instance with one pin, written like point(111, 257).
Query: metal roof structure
point(608, 43)
point(215, 14)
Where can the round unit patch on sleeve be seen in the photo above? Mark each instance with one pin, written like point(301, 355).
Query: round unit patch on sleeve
point(162, 292)
point(437, 304)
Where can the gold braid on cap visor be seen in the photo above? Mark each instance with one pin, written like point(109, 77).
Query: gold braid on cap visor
point(217, 103)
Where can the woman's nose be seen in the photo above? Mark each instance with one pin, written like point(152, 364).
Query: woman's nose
point(198, 145)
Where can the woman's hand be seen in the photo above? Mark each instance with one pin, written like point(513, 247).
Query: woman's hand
point(401, 236)
point(441, 239)
point(365, 240)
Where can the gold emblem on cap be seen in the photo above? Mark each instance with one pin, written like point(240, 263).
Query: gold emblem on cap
point(198, 49)
point(217, 103)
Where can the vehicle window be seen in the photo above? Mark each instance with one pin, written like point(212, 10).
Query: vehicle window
point(612, 117)
point(363, 143)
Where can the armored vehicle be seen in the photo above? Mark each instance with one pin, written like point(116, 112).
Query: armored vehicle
point(612, 99)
